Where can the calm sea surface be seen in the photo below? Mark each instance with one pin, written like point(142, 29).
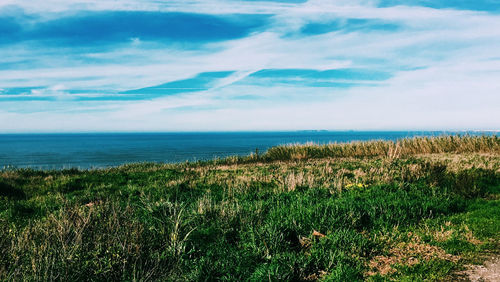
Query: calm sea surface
point(56, 151)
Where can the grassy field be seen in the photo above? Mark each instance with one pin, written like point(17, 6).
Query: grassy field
point(416, 209)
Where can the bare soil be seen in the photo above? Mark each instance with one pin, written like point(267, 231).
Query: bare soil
point(490, 271)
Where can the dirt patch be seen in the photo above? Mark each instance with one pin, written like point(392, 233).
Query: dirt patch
point(490, 271)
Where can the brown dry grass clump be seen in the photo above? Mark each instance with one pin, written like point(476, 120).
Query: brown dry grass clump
point(408, 254)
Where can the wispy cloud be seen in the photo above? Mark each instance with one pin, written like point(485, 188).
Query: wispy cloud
point(248, 65)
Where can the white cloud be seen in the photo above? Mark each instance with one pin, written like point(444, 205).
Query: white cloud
point(445, 65)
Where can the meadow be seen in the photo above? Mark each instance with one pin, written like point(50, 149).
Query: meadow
point(413, 210)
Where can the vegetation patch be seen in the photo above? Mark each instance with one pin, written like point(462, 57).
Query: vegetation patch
point(416, 209)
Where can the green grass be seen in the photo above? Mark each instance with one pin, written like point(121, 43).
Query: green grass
point(370, 212)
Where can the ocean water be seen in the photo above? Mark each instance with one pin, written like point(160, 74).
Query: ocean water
point(98, 150)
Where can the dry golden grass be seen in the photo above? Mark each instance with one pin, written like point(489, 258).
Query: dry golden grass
point(390, 149)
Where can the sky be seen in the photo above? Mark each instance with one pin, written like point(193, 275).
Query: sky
point(245, 65)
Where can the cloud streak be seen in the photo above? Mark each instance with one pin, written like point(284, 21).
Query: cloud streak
point(248, 65)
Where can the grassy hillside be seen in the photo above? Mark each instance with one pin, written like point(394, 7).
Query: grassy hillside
point(409, 210)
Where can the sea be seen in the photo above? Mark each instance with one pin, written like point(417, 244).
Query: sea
point(101, 150)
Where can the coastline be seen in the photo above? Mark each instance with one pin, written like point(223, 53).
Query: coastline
point(415, 209)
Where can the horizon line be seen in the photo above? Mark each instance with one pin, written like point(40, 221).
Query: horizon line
point(254, 131)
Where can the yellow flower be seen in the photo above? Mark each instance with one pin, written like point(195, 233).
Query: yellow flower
point(358, 185)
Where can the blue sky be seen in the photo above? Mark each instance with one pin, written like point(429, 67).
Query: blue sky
point(229, 65)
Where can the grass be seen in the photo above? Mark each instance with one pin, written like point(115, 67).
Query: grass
point(416, 209)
